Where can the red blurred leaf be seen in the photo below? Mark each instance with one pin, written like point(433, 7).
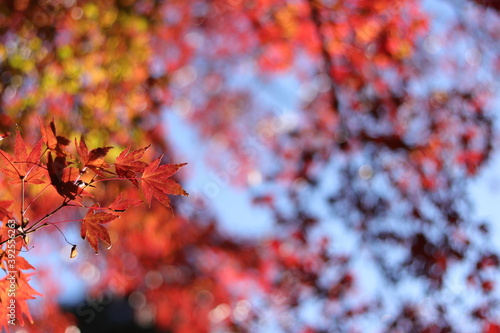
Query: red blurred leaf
point(487, 286)
point(471, 160)
point(492, 328)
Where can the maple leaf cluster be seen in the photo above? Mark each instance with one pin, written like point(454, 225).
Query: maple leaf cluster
point(51, 163)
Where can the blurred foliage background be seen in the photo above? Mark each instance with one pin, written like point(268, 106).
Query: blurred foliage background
point(348, 122)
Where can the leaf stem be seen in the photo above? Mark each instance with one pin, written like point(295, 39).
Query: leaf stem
point(116, 178)
point(46, 216)
point(22, 200)
point(65, 221)
point(62, 233)
point(36, 197)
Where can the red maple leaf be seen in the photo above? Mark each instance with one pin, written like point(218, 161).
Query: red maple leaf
point(17, 282)
point(156, 182)
point(23, 293)
point(4, 212)
point(121, 205)
point(63, 177)
point(23, 166)
point(94, 159)
point(54, 142)
point(92, 230)
point(492, 328)
point(23, 264)
point(127, 164)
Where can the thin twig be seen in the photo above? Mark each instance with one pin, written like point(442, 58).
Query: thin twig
point(39, 193)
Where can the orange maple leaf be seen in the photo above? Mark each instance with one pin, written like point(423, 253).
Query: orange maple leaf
point(4, 211)
point(23, 166)
point(15, 290)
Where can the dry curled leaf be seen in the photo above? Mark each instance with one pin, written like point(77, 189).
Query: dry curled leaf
point(73, 252)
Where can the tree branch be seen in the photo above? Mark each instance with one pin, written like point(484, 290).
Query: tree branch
point(327, 60)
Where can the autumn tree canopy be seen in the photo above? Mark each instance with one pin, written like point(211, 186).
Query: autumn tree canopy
point(381, 113)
